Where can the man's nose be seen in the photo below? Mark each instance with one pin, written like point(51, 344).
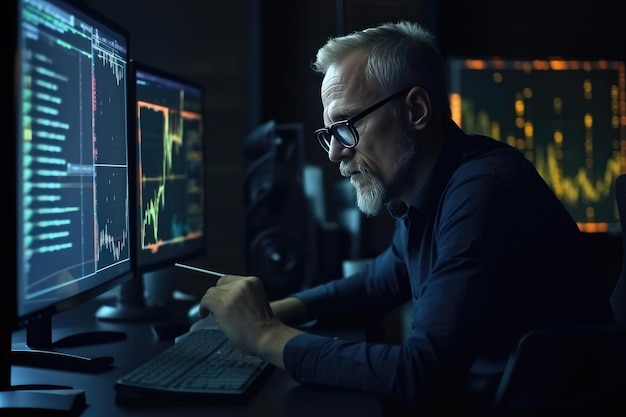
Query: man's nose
point(337, 151)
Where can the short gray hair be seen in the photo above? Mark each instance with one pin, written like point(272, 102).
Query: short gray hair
point(399, 55)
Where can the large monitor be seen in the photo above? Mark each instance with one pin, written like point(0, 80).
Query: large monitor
point(567, 116)
point(67, 150)
point(169, 203)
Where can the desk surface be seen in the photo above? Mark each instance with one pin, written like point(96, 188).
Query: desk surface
point(278, 396)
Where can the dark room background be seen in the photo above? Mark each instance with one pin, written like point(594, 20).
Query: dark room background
point(253, 57)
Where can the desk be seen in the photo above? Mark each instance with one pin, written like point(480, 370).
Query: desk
point(278, 396)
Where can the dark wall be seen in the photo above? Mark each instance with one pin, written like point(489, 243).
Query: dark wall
point(568, 28)
point(585, 29)
point(290, 88)
point(254, 56)
point(206, 41)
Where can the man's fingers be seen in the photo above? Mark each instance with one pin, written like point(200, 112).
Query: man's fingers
point(203, 312)
point(211, 300)
point(226, 279)
point(225, 290)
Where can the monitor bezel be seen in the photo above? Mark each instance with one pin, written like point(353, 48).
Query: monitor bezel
point(24, 319)
point(193, 249)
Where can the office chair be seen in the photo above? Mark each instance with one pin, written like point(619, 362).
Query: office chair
point(576, 370)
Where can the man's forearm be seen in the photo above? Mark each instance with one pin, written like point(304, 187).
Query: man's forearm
point(290, 311)
point(272, 342)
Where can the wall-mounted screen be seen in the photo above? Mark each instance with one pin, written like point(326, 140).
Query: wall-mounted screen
point(567, 116)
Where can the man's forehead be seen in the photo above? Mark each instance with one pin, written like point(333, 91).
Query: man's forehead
point(333, 85)
point(343, 78)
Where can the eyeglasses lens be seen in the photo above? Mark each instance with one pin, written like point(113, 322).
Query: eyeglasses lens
point(344, 134)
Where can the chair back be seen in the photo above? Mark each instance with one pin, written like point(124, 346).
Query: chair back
point(561, 370)
point(578, 369)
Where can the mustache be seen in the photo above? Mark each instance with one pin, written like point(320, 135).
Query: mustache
point(347, 168)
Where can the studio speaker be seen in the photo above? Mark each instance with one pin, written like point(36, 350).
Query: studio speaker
point(275, 208)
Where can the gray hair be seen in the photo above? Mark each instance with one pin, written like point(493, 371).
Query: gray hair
point(399, 55)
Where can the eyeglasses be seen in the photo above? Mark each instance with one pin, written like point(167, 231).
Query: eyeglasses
point(344, 131)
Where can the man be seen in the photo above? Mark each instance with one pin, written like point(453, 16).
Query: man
point(482, 250)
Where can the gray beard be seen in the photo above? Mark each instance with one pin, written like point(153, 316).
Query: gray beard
point(370, 197)
point(373, 195)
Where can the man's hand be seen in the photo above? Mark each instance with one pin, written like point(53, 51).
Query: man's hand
point(242, 311)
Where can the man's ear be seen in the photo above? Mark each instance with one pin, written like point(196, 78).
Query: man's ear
point(420, 109)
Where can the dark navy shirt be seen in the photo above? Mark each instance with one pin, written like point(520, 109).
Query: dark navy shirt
point(484, 253)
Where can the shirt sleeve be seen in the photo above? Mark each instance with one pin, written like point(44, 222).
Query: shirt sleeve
point(360, 365)
point(382, 285)
point(355, 365)
point(452, 279)
point(497, 256)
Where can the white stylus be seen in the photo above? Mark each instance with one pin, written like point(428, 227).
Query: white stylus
point(204, 271)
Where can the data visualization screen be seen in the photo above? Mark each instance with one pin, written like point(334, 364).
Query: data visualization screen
point(567, 116)
point(170, 156)
point(72, 161)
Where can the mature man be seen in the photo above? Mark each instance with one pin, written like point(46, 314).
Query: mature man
point(483, 250)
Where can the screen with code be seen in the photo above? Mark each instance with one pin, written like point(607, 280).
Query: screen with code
point(72, 153)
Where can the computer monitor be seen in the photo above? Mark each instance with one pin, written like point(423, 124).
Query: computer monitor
point(169, 184)
point(67, 152)
point(568, 116)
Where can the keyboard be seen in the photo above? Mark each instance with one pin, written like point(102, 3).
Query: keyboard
point(202, 365)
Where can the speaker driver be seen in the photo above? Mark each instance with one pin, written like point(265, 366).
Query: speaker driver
point(277, 258)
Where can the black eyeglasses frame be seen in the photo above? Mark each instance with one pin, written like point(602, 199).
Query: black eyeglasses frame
point(330, 131)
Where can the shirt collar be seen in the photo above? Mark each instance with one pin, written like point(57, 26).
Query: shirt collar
point(450, 157)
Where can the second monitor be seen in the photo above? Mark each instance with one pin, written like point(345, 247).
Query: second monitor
point(169, 187)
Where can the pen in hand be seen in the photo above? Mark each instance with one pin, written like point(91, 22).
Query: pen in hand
point(204, 271)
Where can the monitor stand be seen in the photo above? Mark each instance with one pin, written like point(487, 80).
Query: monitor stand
point(42, 401)
point(34, 399)
point(131, 305)
point(40, 353)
